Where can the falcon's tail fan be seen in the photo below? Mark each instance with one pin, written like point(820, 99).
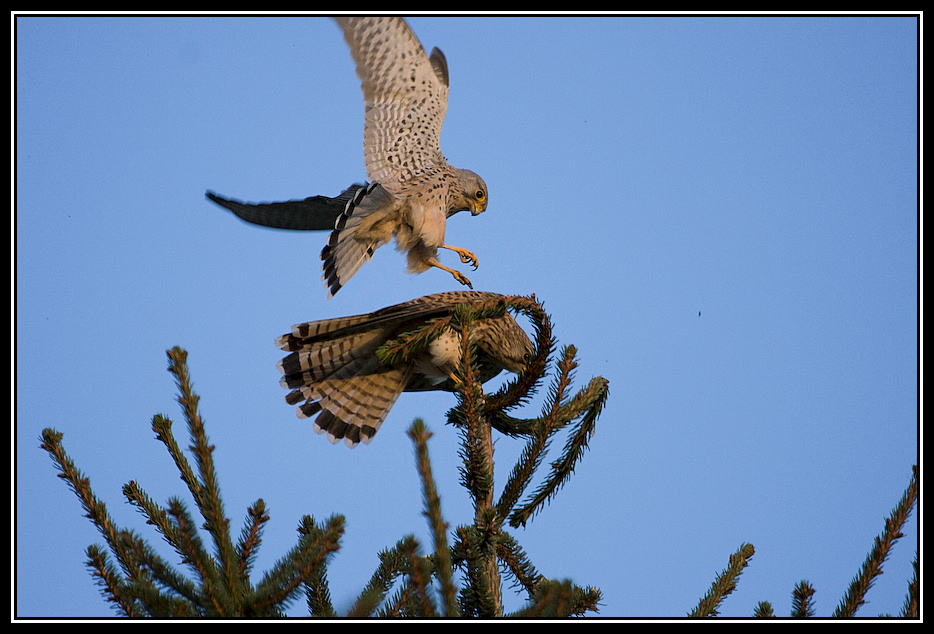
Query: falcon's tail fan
point(353, 402)
point(358, 232)
point(314, 361)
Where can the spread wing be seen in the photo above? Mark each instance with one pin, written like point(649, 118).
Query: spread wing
point(315, 213)
point(405, 94)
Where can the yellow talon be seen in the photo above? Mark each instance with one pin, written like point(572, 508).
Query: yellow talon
point(467, 257)
point(460, 277)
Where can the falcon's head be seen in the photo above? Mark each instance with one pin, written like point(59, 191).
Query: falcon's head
point(469, 194)
point(501, 341)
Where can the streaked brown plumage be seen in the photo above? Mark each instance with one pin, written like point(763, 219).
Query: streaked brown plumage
point(333, 369)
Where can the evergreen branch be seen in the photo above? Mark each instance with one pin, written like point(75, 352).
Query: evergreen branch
point(188, 546)
point(477, 446)
point(591, 401)
point(163, 573)
point(477, 595)
point(251, 538)
point(217, 595)
point(725, 583)
point(161, 604)
point(318, 594)
point(566, 367)
point(392, 564)
point(521, 569)
point(882, 545)
point(180, 531)
point(315, 545)
point(208, 497)
point(551, 599)
point(366, 605)
point(539, 440)
point(420, 435)
point(477, 449)
point(419, 580)
point(410, 344)
point(400, 603)
point(112, 586)
point(183, 534)
point(192, 554)
point(498, 420)
point(763, 610)
point(559, 599)
point(95, 510)
point(910, 608)
point(162, 426)
point(586, 600)
point(523, 470)
point(125, 545)
point(801, 604)
point(511, 426)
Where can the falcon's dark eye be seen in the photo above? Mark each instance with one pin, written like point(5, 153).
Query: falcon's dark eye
point(479, 195)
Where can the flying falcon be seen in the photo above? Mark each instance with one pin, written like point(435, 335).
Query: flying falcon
point(411, 189)
point(333, 369)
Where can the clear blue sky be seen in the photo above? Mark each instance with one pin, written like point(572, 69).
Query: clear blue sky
point(721, 214)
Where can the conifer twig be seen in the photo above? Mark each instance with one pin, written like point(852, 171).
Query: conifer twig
point(442, 554)
point(725, 583)
point(801, 604)
point(392, 564)
point(517, 563)
point(763, 610)
point(882, 545)
point(108, 578)
point(207, 494)
point(299, 565)
point(251, 537)
point(910, 607)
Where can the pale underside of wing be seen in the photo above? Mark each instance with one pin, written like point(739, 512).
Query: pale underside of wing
point(405, 96)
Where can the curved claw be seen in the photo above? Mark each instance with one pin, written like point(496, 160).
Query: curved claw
point(467, 257)
point(460, 277)
point(471, 259)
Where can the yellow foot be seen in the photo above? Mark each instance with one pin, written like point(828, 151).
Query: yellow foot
point(467, 257)
point(460, 277)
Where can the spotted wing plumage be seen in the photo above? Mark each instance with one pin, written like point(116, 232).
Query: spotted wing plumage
point(405, 95)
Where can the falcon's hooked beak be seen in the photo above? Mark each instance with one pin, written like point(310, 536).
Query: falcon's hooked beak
point(477, 207)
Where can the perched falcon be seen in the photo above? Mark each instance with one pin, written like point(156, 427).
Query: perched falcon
point(334, 371)
point(412, 189)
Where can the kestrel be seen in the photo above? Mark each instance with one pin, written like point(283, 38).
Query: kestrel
point(411, 189)
point(334, 371)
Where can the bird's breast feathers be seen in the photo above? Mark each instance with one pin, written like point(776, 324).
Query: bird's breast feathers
point(442, 357)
